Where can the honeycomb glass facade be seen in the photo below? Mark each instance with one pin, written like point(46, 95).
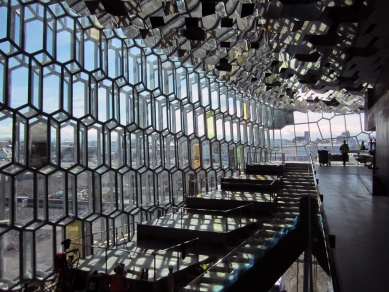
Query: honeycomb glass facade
point(99, 132)
point(309, 132)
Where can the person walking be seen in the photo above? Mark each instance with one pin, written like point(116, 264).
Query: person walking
point(344, 149)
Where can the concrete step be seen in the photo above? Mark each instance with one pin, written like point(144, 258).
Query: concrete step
point(247, 251)
point(291, 215)
point(241, 256)
point(280, 212)
point(276, 226)
point(296, 169)
point(293, 183)
point(212, 278)
point(297, 192)
point(299, 166)
point(296, 175)
point(299, 189)
point(297, 178)
point(289, 200)
point(296, 172)
point(285, 205)
point(291, 194)
point(297, 185)
point(287, 164)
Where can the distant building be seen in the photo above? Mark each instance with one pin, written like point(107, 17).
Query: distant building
point(302, 139)
point(5, 154)
point(5, 144)
point(342, 137)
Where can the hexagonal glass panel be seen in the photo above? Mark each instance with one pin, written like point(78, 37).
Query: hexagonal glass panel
point(56, 195)
point(97, 125)
point(10, 246)
point(24, 189)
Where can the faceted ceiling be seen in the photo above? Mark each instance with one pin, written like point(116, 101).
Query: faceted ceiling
point(299, 55)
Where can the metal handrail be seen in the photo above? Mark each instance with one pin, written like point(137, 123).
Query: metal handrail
point(331, 259)
point(230, 253)
point(106, 250)
point(216, 211)
point(249, 153)
point(132, 223)
point(178, 245)
point(98, 232)
point(308, 280)
point(137, 252)
point(220, 211)
point(153, 204)
point(152, 254)
point(212, 179)
point(205, 179)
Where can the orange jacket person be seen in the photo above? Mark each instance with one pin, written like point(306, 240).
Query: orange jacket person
point(117, 282)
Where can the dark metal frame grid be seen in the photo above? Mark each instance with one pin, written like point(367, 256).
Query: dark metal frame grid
point(327, 126)
point(165, 137)
point(171, 124)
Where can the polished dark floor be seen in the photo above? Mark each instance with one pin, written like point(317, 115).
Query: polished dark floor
point(360, 223)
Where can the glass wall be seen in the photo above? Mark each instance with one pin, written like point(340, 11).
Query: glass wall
point(317, 131)
point(96, 128)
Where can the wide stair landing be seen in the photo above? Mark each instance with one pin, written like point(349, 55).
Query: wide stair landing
point(297, 182)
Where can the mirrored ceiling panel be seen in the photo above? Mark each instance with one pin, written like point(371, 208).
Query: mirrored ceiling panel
point(292, 54)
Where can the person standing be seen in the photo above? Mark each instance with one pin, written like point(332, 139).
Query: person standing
point(362, 146)
point(117, 282)
point(344, 149)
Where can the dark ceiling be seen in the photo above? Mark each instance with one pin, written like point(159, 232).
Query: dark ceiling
point(293, 54)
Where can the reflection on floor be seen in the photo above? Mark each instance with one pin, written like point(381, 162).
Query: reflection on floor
point(360, 222)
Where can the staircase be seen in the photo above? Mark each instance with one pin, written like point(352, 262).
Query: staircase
point(297, 181)
point(238, 256)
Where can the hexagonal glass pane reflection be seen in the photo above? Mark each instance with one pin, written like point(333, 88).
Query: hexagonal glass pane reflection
point(95, 126)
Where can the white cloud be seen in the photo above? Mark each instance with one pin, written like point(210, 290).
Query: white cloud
point(5, 130)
